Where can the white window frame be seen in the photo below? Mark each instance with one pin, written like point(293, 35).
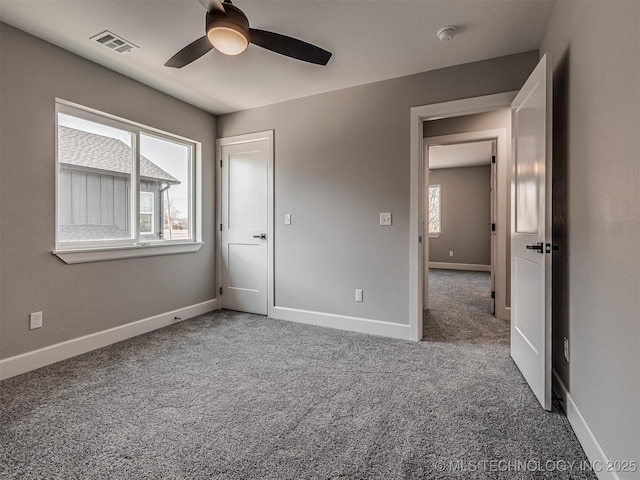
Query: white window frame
point(435, 234)
point(138, 246)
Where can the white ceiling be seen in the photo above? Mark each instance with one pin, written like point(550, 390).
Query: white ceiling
point(460, 155)
point(371, 40)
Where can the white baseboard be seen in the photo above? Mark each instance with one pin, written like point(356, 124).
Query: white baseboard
point(590, 444)
point(460, 266)
point(341, 322)
point(12, 366)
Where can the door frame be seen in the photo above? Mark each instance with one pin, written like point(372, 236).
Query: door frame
point(502, 198)
point(238, 140)
point(466, 106)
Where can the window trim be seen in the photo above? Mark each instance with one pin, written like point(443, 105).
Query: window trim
point(94, 251)
point(142, 249)
point(435, 235)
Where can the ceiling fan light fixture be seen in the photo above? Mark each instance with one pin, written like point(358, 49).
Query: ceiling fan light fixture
point(228, 40)
point(228, 31)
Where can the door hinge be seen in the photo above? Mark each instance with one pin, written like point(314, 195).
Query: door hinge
point(493, 159)
point(420, 239)
point(220, 227)
point(220, 163)
point(493, 227)
point(220, 290)
point(493, 294)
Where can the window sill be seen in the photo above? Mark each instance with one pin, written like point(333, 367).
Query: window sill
point(434, 235)
point(118, 253)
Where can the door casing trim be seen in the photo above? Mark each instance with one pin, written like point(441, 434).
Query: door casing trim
point(419, 114)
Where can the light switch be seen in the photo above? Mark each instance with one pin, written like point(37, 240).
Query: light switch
point(287, 219)
point(385, 219)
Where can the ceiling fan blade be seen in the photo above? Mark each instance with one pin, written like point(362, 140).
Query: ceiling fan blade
point(291, 47)
point(212, 5)
point(191, 52)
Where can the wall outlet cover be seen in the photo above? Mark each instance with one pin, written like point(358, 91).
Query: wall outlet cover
point(35, 320)
point(385, 219)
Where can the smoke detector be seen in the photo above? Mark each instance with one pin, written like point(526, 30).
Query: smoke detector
point(446, 33)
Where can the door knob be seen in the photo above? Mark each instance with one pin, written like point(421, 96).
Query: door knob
point(539, 247)
point(262, 236)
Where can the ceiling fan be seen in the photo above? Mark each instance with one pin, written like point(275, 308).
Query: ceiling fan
point(228, 31)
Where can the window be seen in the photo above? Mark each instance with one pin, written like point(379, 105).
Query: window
point(435, 227)
point(147, 208)
point(123, 187)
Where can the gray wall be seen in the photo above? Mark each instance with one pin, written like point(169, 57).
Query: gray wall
point(341, 158)
point(85, 298)
point(500, 118)
point(465, 213)
point(595, 50)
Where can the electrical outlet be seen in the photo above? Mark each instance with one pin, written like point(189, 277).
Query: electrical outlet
point(451, 253)
point(35, 320)
point(566, 349)
point(359, 295)
point(287, 219)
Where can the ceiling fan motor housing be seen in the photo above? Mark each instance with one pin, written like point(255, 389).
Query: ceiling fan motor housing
point(234, 19)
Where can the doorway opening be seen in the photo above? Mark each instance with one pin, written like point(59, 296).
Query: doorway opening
point(419, 252)
point(465, 265)
point(459, 213)
point(460, 219)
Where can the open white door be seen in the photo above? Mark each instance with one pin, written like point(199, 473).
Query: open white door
point(531, 232)
point(244, 231)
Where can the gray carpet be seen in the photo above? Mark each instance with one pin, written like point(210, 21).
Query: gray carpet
point(460, 310)
point(237, 396)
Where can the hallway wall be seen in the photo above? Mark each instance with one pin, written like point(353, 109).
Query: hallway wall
point(465, 211)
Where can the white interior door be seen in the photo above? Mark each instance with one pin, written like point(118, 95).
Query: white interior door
point(531, 233)
point(244, 231)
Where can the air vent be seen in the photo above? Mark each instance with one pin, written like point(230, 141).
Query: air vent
point(114, 42)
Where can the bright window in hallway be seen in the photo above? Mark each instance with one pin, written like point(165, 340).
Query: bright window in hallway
point(435, 227)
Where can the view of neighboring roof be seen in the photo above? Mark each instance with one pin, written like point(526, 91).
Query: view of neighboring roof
point(107, 154)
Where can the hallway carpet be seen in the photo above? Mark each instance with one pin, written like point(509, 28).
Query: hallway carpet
point(460, 310)
point(237, 396)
